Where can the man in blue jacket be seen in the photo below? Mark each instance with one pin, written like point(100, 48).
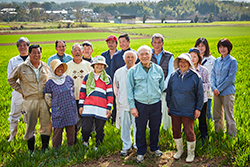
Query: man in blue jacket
point(145, 84)
point(60, 47)
point(112, 42)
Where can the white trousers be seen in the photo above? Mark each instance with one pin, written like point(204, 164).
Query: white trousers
point(16, 107)
point(166, 119)
point(127, 120)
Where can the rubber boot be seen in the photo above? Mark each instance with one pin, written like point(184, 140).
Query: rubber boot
point(45, 142)
point(179, 146)
point(31, 144)
point(190, 151)
point(13, 131)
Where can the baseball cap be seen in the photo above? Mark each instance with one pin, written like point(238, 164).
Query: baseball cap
point(112, 37)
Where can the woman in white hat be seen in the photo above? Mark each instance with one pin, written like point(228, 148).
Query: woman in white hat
point(96, 98)
point(185, 101)
point(63, 105)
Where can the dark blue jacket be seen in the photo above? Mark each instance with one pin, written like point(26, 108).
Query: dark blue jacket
point(117, 61)
point(184, 94)
point(106, 54)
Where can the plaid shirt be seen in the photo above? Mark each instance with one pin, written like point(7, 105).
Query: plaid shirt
point(205, 80)
point(63, 105)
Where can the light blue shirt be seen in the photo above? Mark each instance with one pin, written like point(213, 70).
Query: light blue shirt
point(66, 58)
point(144, 87)
point(158, 58)
point(223, 75)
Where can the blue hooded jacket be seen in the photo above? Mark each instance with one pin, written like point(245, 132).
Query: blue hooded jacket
point(184, 94)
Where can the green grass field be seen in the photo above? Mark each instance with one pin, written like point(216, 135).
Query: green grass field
point(101, 25)
point(178, 40)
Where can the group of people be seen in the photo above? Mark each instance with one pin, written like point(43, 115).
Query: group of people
point(143, 88)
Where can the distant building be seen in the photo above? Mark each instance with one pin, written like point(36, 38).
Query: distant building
point(8, 10)
point(61, 12)
point(125, 19)
point(85, 10)
point(177, 21)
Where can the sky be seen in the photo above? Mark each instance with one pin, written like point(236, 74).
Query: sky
point(101, 1)
point(114, 1)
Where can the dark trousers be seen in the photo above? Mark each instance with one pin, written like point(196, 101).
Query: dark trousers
point(203, 121)
point(113, 114)
point(57, 136)
point(79, 121)
point(151, 112)
point(87, 128)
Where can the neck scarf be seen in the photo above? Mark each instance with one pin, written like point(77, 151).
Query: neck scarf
point(90, 84)
point(58, 80)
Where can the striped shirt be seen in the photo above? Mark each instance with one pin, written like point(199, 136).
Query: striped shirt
point(99, 101)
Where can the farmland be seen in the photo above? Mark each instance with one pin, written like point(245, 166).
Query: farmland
point(233, 152)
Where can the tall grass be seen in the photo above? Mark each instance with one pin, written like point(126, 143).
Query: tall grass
point(236, 150)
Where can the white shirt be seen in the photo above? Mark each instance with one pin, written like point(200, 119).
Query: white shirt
point(14, 61)
point(120, 81)
point(208, 62)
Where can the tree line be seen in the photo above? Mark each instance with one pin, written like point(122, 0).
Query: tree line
point(195, 10)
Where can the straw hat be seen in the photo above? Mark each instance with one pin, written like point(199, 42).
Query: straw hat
point(185, 56)
point(55, 63)
point(99, 60)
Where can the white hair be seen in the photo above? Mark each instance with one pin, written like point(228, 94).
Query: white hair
point(130, 51)
point(146, 47)
point(79, 45)
point(157, 35)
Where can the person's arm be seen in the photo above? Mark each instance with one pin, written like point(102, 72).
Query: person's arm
point(47, 88)
point(82, 94)
point(116, 84)
point(110, 98)
point(231, 76)
point(199, 99)
point(213, 77)
point(161, 81)
point(169, 91)
point(199, 95)
point(113, 67)
point(10, 67)
point(170, 70)
point(130, 89)
point(12, 79)
point(206, 81)
point(110, 95)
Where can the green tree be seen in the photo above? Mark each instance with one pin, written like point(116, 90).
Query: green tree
point(78, 15)
point(144, 18)
point(196, 19)
point(211, 17)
